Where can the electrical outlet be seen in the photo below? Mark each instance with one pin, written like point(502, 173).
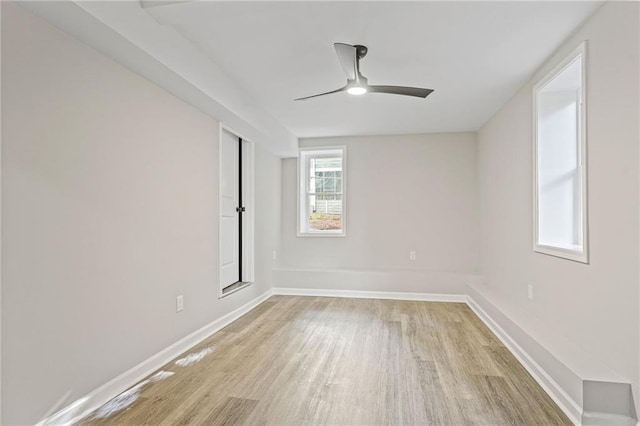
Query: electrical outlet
point(179, 303)
point(530, 291)
point(412, 255)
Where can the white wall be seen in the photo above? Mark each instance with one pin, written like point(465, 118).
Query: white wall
point(585, 315)
point(409, 192)
point(268, 171)
point(109, 207)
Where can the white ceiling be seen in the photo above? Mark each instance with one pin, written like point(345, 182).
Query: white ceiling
point(474, 54)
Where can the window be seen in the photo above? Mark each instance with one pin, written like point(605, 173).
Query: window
point(560, 185)
point(321, 197)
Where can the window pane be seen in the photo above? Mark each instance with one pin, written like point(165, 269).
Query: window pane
point(326, 175)
point(328, 164)
point(330, 185)
point(559, 158)
point(325, 212)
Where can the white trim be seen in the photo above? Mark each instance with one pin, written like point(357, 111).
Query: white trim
point(221, 129)
point(299, 192)
point(1, 149)
point(575, 255)
point(550, 386)
point(566, 253)
point(358, 294)
point(240, 287)
point(606, 419)
point(248, 224)
point(98, 397)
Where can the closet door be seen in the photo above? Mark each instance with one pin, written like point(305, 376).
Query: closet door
point(230, 209)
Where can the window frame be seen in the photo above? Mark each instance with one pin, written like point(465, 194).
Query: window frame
point(581, 256)
point(302, 224)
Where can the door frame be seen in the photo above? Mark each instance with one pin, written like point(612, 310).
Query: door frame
point(248, 217)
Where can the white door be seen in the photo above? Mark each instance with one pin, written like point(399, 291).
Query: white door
point(229, 216)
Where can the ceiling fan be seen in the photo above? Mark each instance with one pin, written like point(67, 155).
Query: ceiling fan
point(349, 57)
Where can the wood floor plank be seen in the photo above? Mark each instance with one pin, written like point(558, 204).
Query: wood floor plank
point(233, 411)
point(316, 360)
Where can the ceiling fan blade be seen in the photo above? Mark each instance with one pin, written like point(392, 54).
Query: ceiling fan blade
point(347, 58)
point(322, 94)
point(401, 90)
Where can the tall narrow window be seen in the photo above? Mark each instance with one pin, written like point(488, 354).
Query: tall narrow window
point(321, 206)
point(560, 185)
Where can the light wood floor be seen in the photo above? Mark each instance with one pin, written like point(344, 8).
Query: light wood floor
point(316, 360)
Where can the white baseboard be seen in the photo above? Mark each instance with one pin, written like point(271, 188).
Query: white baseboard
point(358, 294)
point(98, 397)
point(606, 419)
point(559, 396)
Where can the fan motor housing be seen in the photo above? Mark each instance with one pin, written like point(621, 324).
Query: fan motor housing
point(361, 51)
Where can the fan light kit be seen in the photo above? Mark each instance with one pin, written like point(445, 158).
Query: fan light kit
point(357, 90)
point(349, 57)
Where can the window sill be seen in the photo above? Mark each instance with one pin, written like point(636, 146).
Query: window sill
point(321, 234)
point(564, 253)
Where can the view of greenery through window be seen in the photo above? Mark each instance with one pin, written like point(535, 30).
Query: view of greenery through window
point(325, 194)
